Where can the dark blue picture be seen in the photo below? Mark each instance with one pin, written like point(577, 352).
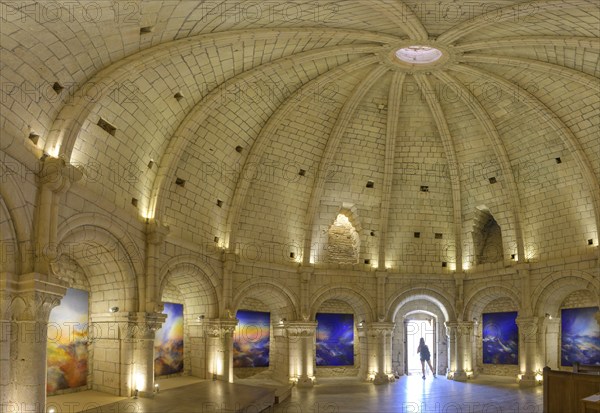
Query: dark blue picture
point(251, 339)
point(500, 338)
point(335, 339)
point(580, 342)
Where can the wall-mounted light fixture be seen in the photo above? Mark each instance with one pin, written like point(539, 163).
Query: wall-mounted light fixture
point(548, 316)
point(201, 317)
point(113, 309)
point(156, 388)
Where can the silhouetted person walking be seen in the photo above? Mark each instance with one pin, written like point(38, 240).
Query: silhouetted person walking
point(423, 350)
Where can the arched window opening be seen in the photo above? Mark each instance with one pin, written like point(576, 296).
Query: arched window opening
point(343, 241)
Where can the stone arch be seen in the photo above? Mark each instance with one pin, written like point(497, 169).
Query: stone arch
point(549, 294)
point(20, 218)
point(359, 301)
point(109, 267)
point(280, 300)
point(422, 302)
point(428, 294)
point(476, 301)
point(487, 237)
point(343, 238)
point(117, 229)
point(196, 282)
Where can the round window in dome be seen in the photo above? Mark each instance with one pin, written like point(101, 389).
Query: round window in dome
point(418, 54)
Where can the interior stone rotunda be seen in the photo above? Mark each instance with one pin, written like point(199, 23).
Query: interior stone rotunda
point(399, 162)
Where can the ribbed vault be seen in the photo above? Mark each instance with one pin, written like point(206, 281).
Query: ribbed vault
point(243, 125)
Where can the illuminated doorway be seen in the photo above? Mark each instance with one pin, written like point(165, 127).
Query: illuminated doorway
point(415, 327)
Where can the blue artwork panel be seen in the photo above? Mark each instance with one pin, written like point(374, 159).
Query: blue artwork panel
point(168, 342)
point(335, 339)
point(67, 351)
point(251, 339)
point(500, 338)
point(580, 338)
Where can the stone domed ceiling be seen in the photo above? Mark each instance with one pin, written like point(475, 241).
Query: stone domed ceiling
point(251, 125)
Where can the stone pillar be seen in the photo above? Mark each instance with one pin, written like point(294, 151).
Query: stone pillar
point(219, 348)
point(55, 179)
point(458, 335)
point(150, 300)
point(30, 297)
point(198, 345)
point(551, 344)
point(381, 282)
point(143, 327)
point(467, 336)
point(229, 261)
point(305, 277)
point(279, 352)
point(528, 327)
point(363, 372)
point(381, 334)
point(301, 336)
point(451, 332)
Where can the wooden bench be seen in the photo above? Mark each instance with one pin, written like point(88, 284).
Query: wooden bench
point(564, 391)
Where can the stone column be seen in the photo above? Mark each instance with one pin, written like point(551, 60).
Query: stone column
point(198, 345)
point(305, 277)
point(279, 352)
point(381, 334)
point(458, 335)
point(302, 352)
point(143, 327)
point(229, 261)
point(31, 298)
point(528, 327)
point(466, 337)
point(219, 343)
point(363, 372)
point(55, 179)
point(150, 300)
point(551, 344)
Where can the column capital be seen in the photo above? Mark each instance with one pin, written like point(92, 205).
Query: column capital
point(219, 327)
point(381, 275)
point(58, 175)
point(156, 232)
point(306, 273)
point(380, 328)
point(301, 328)
point(33, 296)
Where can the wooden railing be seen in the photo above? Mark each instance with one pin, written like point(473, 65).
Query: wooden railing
point(586, 369)
point(564, 391)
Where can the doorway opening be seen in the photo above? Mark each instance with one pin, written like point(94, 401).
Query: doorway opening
point(419, 325)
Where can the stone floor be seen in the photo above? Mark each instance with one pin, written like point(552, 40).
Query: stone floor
point(485, 394)
point(412, 394)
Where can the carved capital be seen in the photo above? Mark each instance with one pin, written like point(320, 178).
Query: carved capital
point(57, 175)
point(33, 296)
point(528, 328)
point(301, 328)
point(306, 273)
point(156, 232)
point(218, 328)
point(380, 329)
